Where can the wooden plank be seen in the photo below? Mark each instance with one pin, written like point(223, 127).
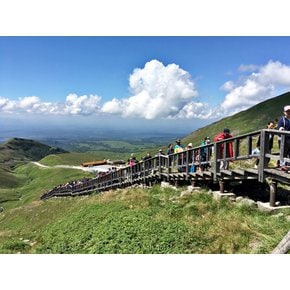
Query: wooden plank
point(278, 172)
point(208, 173)
point(238, 171)
point(226, 172)
point(252, 171)
point(198, 173)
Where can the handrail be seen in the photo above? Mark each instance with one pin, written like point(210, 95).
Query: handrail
point(184, 162)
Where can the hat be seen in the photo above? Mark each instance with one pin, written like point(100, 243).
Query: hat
point(286, 108)
point(227, 131)
point(160, 150)
point(178, 140)
point(206, 138)
point(189, 145)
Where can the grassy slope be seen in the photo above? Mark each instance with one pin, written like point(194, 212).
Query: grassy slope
point(43, 179)
point(139, 221)
point(250, 120)
point(14, 153)
point(18, 149)
point(72, 158)
point(130, 220)
point(35, 181)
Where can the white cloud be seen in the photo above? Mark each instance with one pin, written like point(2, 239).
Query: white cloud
point(275, 73)
point(227, 86)
point(29, 104)
point(195, 110)
point(82, 105)
point(267, 82)
point(161, 91)
point(74, 105)
point(158, 92)
point(112, 107)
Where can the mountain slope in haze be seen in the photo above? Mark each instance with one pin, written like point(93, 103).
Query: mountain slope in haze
point(252, 119)
point(17, 149)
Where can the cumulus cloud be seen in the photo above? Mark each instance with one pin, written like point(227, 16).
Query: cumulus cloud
point(197, 110)
point(227, 86)
point(167, 91)
point(259, 86)
point(73, 105)
point(82, 105)
point(159, 91)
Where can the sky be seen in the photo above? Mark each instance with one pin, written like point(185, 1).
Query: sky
point(161, 81)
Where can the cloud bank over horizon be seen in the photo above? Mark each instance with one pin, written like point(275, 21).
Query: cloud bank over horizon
point(161, 91)
point(263, 83)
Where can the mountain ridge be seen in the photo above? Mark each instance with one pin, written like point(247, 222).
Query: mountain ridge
point(19, 149)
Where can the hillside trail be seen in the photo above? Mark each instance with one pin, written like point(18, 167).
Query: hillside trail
point(62, 166)
point(103, 168)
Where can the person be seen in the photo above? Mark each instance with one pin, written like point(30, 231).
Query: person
point(160, 152)
point(170, 149)
point(131, 161)
point(177, 149)
point(147, 161)
point(271, 126)
point(162, 160)
point(226, 134)
point(205, 153)
point(284, 125)
point(190, 152)
point(189, 146)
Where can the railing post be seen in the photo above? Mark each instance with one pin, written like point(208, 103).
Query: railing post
point(236, 148)
point(187, 164)
point(282, 149)
point(264, 149)
point(215, 161)
point(249, 146)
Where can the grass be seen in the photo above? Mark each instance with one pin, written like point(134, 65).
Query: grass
point(255, 118)
point(72, 158)
point(37, 181)
point(152, 221)
point(129, 221)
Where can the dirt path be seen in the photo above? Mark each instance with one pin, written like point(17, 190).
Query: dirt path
point(87, 169)
point(64, 166)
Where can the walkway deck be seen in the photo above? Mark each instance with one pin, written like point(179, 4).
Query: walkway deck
point(178, 167)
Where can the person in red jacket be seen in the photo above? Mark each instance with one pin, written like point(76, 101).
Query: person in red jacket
point(226, 134)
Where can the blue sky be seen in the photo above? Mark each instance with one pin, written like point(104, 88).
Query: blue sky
point(174, 81)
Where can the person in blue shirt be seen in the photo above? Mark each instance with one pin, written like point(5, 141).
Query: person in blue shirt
point(284, 125)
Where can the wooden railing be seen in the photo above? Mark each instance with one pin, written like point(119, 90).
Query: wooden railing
point(183, 163)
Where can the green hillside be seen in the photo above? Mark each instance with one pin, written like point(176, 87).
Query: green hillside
point(18, 150)
point(132, 220)
point(255, 118)
point(13, 153)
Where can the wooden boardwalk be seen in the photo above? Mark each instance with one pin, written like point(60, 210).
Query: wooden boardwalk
point(176, 168)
